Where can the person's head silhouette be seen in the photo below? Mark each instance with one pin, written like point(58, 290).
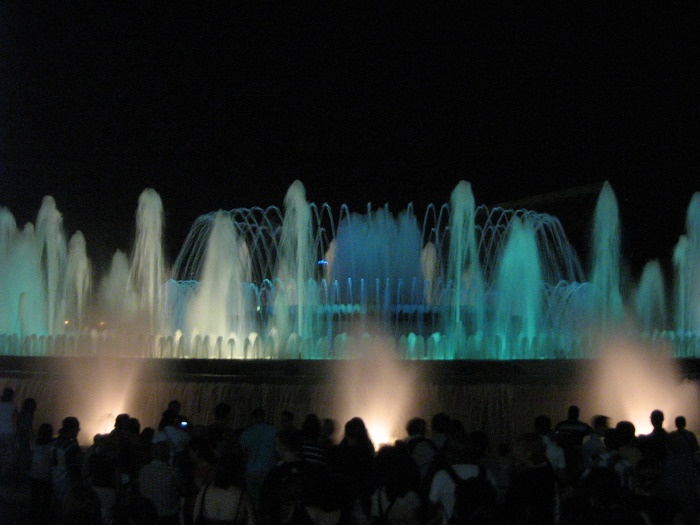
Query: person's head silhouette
point(680, 422)
point(657, 419)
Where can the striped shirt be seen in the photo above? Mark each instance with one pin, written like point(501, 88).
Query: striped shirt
point(163, 485)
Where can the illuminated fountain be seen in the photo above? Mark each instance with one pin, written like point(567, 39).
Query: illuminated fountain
point(460, 282)
point(687, 260)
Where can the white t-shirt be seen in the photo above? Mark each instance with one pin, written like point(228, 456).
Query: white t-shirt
point(555, 454)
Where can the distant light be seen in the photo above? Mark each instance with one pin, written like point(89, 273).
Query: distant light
point(258, 308)
point(322, 261)
point(66, 322)
point(102, 323)
point(380, 434)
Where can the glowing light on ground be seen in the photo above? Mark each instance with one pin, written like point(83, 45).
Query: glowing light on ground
point(97, 393)
point(629, 380)
point(379, 433)
point(378, 388)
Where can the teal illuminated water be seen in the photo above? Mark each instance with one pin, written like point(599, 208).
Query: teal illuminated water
point(458, 281)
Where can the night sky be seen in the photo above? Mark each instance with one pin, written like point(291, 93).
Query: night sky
point(223, 105)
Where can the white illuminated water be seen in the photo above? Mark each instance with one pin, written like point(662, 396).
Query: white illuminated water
point(458, 281)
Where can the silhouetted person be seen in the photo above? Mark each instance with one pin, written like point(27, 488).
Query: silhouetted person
point(145, 443)
point(25, 434)
point(141, 449)
point(601, 503)
point(66, 460)
point(421, 449)
point(647, 499)
point(680, 477)
point(8, 421)
point(104, 473)
point(163, 484)
point(655, 444)
point(176, 408)
point(441, 427)
point(126, 444)
point(258, 445)
point(629, 444)
point(594, 445)
point(612, 460)
point(353, 460)
point(686, 434)
point(225, 500)
point(40, 473)
point(313, 447)
point(571, 431)
point(202, 469)
point(171, 430)
point(396, 498)
point(462, 456)
point(328, 426)
point(293, 486)
point(501, 466)
point(287, 420)
point(569, 435)
point(219, 433)
point(531, 497)
point(555, 454)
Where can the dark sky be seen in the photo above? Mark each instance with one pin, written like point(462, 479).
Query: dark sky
point(223, 105)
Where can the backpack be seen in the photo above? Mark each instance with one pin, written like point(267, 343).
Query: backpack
point(475, 498)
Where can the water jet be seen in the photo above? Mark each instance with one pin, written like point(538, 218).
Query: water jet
point(494, 289)
point(462, 281)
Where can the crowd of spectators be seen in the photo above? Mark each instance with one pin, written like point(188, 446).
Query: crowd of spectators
point(185, 472)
